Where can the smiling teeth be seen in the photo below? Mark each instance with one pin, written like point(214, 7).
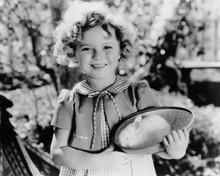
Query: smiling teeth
point(99, 65)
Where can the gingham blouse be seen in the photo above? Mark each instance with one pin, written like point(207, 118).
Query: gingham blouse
point(140, 165)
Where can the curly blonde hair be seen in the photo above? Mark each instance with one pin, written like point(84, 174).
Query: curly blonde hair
point(81, 16)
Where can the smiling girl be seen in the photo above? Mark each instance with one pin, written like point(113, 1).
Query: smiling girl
point(97, 39)
point(98, 55)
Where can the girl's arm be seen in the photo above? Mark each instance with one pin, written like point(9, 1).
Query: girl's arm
point(64, 155)
point(175, 145)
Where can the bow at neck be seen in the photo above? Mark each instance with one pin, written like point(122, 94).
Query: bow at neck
point(118, 86)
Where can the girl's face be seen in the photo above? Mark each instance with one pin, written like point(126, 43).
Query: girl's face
point(98, 53)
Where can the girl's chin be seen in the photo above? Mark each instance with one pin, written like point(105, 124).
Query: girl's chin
point(102, 76)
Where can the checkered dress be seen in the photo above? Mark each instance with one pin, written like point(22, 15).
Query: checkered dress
point(140, 165)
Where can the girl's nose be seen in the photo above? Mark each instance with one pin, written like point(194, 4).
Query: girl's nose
point(98, 55)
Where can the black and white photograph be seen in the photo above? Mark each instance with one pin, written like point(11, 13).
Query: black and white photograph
point(109, 88)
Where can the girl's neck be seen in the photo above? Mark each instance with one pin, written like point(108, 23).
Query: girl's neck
point(100, 84)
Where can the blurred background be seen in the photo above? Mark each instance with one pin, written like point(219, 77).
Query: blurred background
point(177, 52)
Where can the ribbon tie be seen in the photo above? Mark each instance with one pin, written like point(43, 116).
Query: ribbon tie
point(83, 88)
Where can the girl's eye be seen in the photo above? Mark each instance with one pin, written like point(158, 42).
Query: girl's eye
point(107, 47)
point(86, 49)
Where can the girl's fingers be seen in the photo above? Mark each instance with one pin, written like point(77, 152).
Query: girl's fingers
point(170, 138)
point(181, 134)
point(175, 136)
point(165, 142)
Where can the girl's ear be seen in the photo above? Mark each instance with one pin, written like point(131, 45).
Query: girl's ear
point(119, 56)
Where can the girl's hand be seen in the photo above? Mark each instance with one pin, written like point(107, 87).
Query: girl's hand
point(176, 144)
point(112, 159)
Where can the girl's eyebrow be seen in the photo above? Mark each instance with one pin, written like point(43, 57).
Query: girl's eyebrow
point(105, 43)
point(84, 44)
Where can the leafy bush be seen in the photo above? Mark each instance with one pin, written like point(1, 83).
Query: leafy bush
point(32, 112)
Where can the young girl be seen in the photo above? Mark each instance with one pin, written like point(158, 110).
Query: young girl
point(97, 39)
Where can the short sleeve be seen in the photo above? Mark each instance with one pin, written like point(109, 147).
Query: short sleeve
point(144, 95)
point(64, 110)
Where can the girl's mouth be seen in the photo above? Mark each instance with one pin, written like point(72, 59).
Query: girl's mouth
point(97, 66)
